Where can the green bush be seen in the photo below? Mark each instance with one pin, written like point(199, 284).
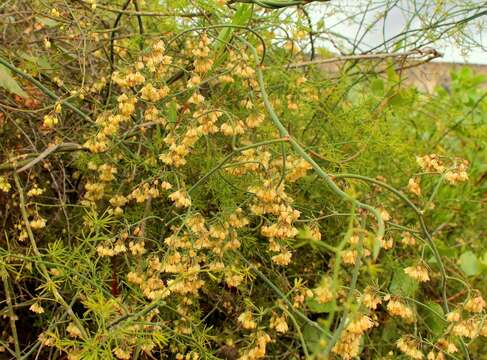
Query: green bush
point(171, 187)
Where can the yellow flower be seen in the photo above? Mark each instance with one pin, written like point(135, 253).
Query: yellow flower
point(122, 354)
point(398, 308)
point(38, 223)
point(409, 347)
point(371, 299)
point(324, 292)
point(196, 98)
point(413, 187)
point(430, 163)
point(349, 257)
point(453, 316)
point(408, 239)
point(73, 330)
point(137, 248)
point(447, 346)
point(466, 328)
point(279, 324)
point(37, 308)
point(475, 304)
point(360, 325)
point(385, 214)
point(247, 320)
point(418, 272)
point(348, 346)
point(283, 258)
point(50, 121)
point(180, 198)
point(4, 184)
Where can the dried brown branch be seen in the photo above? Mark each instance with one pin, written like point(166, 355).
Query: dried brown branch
point(418, 54)
point(26, 163)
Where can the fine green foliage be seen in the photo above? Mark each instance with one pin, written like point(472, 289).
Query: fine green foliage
point(186, 180)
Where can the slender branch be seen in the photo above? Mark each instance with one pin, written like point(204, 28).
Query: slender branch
point(304, 155)
point(426, 233)
point(377, 56)
point(27, 164)
point(147, 13)
point(42, 266)
point(141, 25)
point(282, 296)
point(310, 34)
point(275, 4)
point(337, 333)
point(11, 313)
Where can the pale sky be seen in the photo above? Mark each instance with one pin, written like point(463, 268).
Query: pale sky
point(395, 23)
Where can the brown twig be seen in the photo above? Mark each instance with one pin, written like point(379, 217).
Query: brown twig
point(27, 164)
point(431, 53)
point(147, 13)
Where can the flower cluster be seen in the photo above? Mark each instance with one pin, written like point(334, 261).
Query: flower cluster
point(409, 347)
point(418, 272)
point(397, 308)
point(348, 346)
point(453, 174)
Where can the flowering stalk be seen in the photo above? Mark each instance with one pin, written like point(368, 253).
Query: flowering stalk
point(301, 152)
point(43, 268)
point(426, 233)
point(283, 296)
point(11, 313)
point(45, 90)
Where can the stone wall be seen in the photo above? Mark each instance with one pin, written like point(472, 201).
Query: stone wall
point(425, 76)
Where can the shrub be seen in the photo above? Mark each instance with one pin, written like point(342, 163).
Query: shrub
point(172, 187)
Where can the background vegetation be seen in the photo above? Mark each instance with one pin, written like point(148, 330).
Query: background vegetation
point(182, 180)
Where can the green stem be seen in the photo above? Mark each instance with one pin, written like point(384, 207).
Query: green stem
point(11, 313)
point(301, 152)
point(283, 296)
point(231, 155)
point(43, 268)
point(426, 233)
point(300, 334)
point(44, 89)
point(343, 321)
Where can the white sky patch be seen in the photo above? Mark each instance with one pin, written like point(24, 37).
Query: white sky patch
point(357, 20)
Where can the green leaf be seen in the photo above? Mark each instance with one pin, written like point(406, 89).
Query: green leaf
point(469, 263)
point(46, 21)
point(377, 86)
point(41, 61)
point(433, 316)
point(318, 308)
point(312, 338)
point(445, 250)
point(240, 18)
point(9, 83)
point(172, 112)
point(402, 284)
point(390, 332)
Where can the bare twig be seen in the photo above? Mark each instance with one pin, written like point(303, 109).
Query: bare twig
point(27, 164)
point(378, 56)
point(147, 13)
